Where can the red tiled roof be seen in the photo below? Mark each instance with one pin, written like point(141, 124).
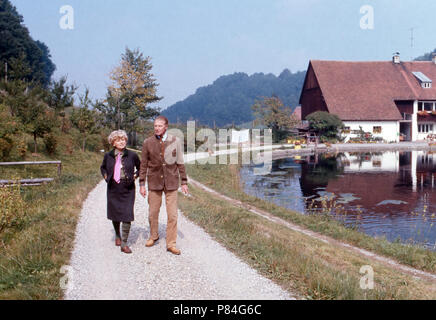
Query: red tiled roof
point(368, 90)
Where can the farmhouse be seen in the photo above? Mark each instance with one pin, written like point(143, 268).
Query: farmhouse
point(393, 100)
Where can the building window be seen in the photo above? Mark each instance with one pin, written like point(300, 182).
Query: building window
point(425, 128)
point(428, 106)
point(346, 130)
point(376, 163)
point(377, 129)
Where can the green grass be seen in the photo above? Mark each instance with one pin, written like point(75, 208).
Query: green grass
point(303, 265)
point(33, 252)
point(225, 179)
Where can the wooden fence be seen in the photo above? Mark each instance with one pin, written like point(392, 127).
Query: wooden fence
point(30, 182)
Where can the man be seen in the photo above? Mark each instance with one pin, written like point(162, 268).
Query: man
point(161, 166)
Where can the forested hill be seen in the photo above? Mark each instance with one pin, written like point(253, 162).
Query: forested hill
point(229, 99)
point(426, 57)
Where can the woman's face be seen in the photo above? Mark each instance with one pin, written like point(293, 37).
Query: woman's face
point(120, 143)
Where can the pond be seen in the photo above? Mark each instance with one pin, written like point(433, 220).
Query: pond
point(385, 194)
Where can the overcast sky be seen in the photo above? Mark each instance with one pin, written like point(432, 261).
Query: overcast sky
point(193, 42)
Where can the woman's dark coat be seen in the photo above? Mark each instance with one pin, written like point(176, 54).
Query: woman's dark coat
point(121, 197)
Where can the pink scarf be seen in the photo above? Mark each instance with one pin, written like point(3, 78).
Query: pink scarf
point(117, 169)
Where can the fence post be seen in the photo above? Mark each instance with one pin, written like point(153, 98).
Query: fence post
point(59, 169)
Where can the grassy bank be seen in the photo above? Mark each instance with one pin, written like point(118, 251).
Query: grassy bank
point(34, 249)
point(225, 179)
point(301, 264)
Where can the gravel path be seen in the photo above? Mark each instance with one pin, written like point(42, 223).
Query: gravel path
point(204, 270)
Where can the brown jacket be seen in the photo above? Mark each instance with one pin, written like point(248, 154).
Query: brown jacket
point(162, 164)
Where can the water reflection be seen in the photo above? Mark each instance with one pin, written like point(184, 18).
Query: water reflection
point(389, 194)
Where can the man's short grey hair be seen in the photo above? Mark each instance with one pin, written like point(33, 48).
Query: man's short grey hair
point(119, 134)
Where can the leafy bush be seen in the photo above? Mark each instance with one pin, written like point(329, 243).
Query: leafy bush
point(326, 124)
point(94, 143)
point(22, 146)
point(104, 141)
point(9, 126)
point(51, 142)
point(12, 208)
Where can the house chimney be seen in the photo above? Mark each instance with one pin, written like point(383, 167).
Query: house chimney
point(433, 57)
point(396, 58)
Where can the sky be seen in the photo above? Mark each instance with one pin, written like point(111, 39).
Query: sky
point(193, 42)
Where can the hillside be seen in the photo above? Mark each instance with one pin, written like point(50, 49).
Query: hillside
point(229, 99)
point(426, 56)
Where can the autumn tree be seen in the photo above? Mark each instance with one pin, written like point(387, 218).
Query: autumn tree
point(85, 119)
point(271, 113)
point(133, 89)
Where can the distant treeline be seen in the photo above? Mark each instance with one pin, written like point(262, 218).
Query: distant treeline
point(229, 99)
point(426, 57)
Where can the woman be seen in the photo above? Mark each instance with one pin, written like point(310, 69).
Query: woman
point(118, 169)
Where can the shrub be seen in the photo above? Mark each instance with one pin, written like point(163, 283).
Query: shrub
point(94, 143)
point(326, 124)
point(22, 147)
point(9, 126)
point(104, 142)
point(50, 142)
point(12, 208)
point(6, 146)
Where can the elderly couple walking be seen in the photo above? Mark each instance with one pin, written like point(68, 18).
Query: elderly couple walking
point(161, 165)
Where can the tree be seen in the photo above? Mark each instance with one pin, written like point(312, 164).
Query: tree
point(28, 105)
point(85, 119)
point(60, 95)
point(9, 126)
point(271, 113)
point(326, 124)
point(16, 43)
point(109, 111)
point(134, 88)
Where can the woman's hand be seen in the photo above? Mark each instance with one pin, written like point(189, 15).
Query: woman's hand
point(143, 191)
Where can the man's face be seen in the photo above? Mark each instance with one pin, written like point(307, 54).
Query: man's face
point(160, 127)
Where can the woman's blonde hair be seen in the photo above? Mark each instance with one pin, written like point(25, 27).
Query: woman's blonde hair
point(119, 134)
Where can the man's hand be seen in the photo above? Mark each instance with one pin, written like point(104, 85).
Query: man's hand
point(143, 191)
point(185, 189)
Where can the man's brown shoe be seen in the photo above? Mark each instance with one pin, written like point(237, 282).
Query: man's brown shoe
point(150, 242)
point(126, 249)
point(118, 242)
point(174, 250)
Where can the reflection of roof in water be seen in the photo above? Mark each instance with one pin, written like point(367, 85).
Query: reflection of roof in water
point(373, 189)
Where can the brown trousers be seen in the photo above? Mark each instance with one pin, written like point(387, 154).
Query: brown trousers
point(154, 203)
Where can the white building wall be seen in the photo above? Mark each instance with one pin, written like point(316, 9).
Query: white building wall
point(390, 129)
point(415, 121)
point(423, 135)
point(385, 162)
